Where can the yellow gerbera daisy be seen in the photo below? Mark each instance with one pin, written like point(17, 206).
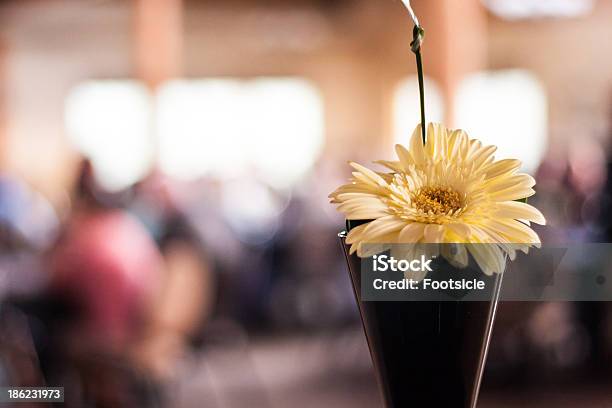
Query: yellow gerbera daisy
point(450, 190)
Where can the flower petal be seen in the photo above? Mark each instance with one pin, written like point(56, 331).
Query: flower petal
point(433, 233)
point(460, 230)
point(411, 233)
point(489, 257)
point(417, 150)
point(506, 166)
point(382, 226)
point(356, 234)
point(368, 174)
point(520, 211)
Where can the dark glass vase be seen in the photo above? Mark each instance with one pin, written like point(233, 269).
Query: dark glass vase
point(426, 353)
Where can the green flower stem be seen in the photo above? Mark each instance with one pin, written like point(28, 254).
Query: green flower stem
point(418, 35)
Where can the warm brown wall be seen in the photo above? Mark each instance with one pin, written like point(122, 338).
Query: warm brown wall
point(572, 58)
point(54, 45)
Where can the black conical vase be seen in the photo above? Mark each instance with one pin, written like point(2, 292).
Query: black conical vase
point(426, 353)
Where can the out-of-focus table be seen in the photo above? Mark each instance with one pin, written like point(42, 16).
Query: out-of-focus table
point(324, 371)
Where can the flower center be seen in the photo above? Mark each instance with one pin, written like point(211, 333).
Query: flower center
point(437, 200)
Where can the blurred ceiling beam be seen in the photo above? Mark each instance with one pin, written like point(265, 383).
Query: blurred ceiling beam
point(158, 37)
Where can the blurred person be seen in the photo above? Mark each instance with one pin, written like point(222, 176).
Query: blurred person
point(588, 173)
point(552, 341)
point(188, 292)
point(137, 289)
point(72, 310)
point(311, 288)
point(105, 262)
point(597, 316)
point(570, 183)
point(105, 272)
point(605, 218)
point(28, 225)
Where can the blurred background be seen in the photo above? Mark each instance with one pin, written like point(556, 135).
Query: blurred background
point(165, 234)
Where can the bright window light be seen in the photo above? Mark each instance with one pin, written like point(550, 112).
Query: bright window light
point(109, 122)
point(507, 109)
point(272, 128)
point(524, 9)
point(407, 111)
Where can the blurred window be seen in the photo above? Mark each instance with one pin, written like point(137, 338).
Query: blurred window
point(407, 111)
point(109, 122)
point(508, 109)
point(525, 9)
point(271, 127)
